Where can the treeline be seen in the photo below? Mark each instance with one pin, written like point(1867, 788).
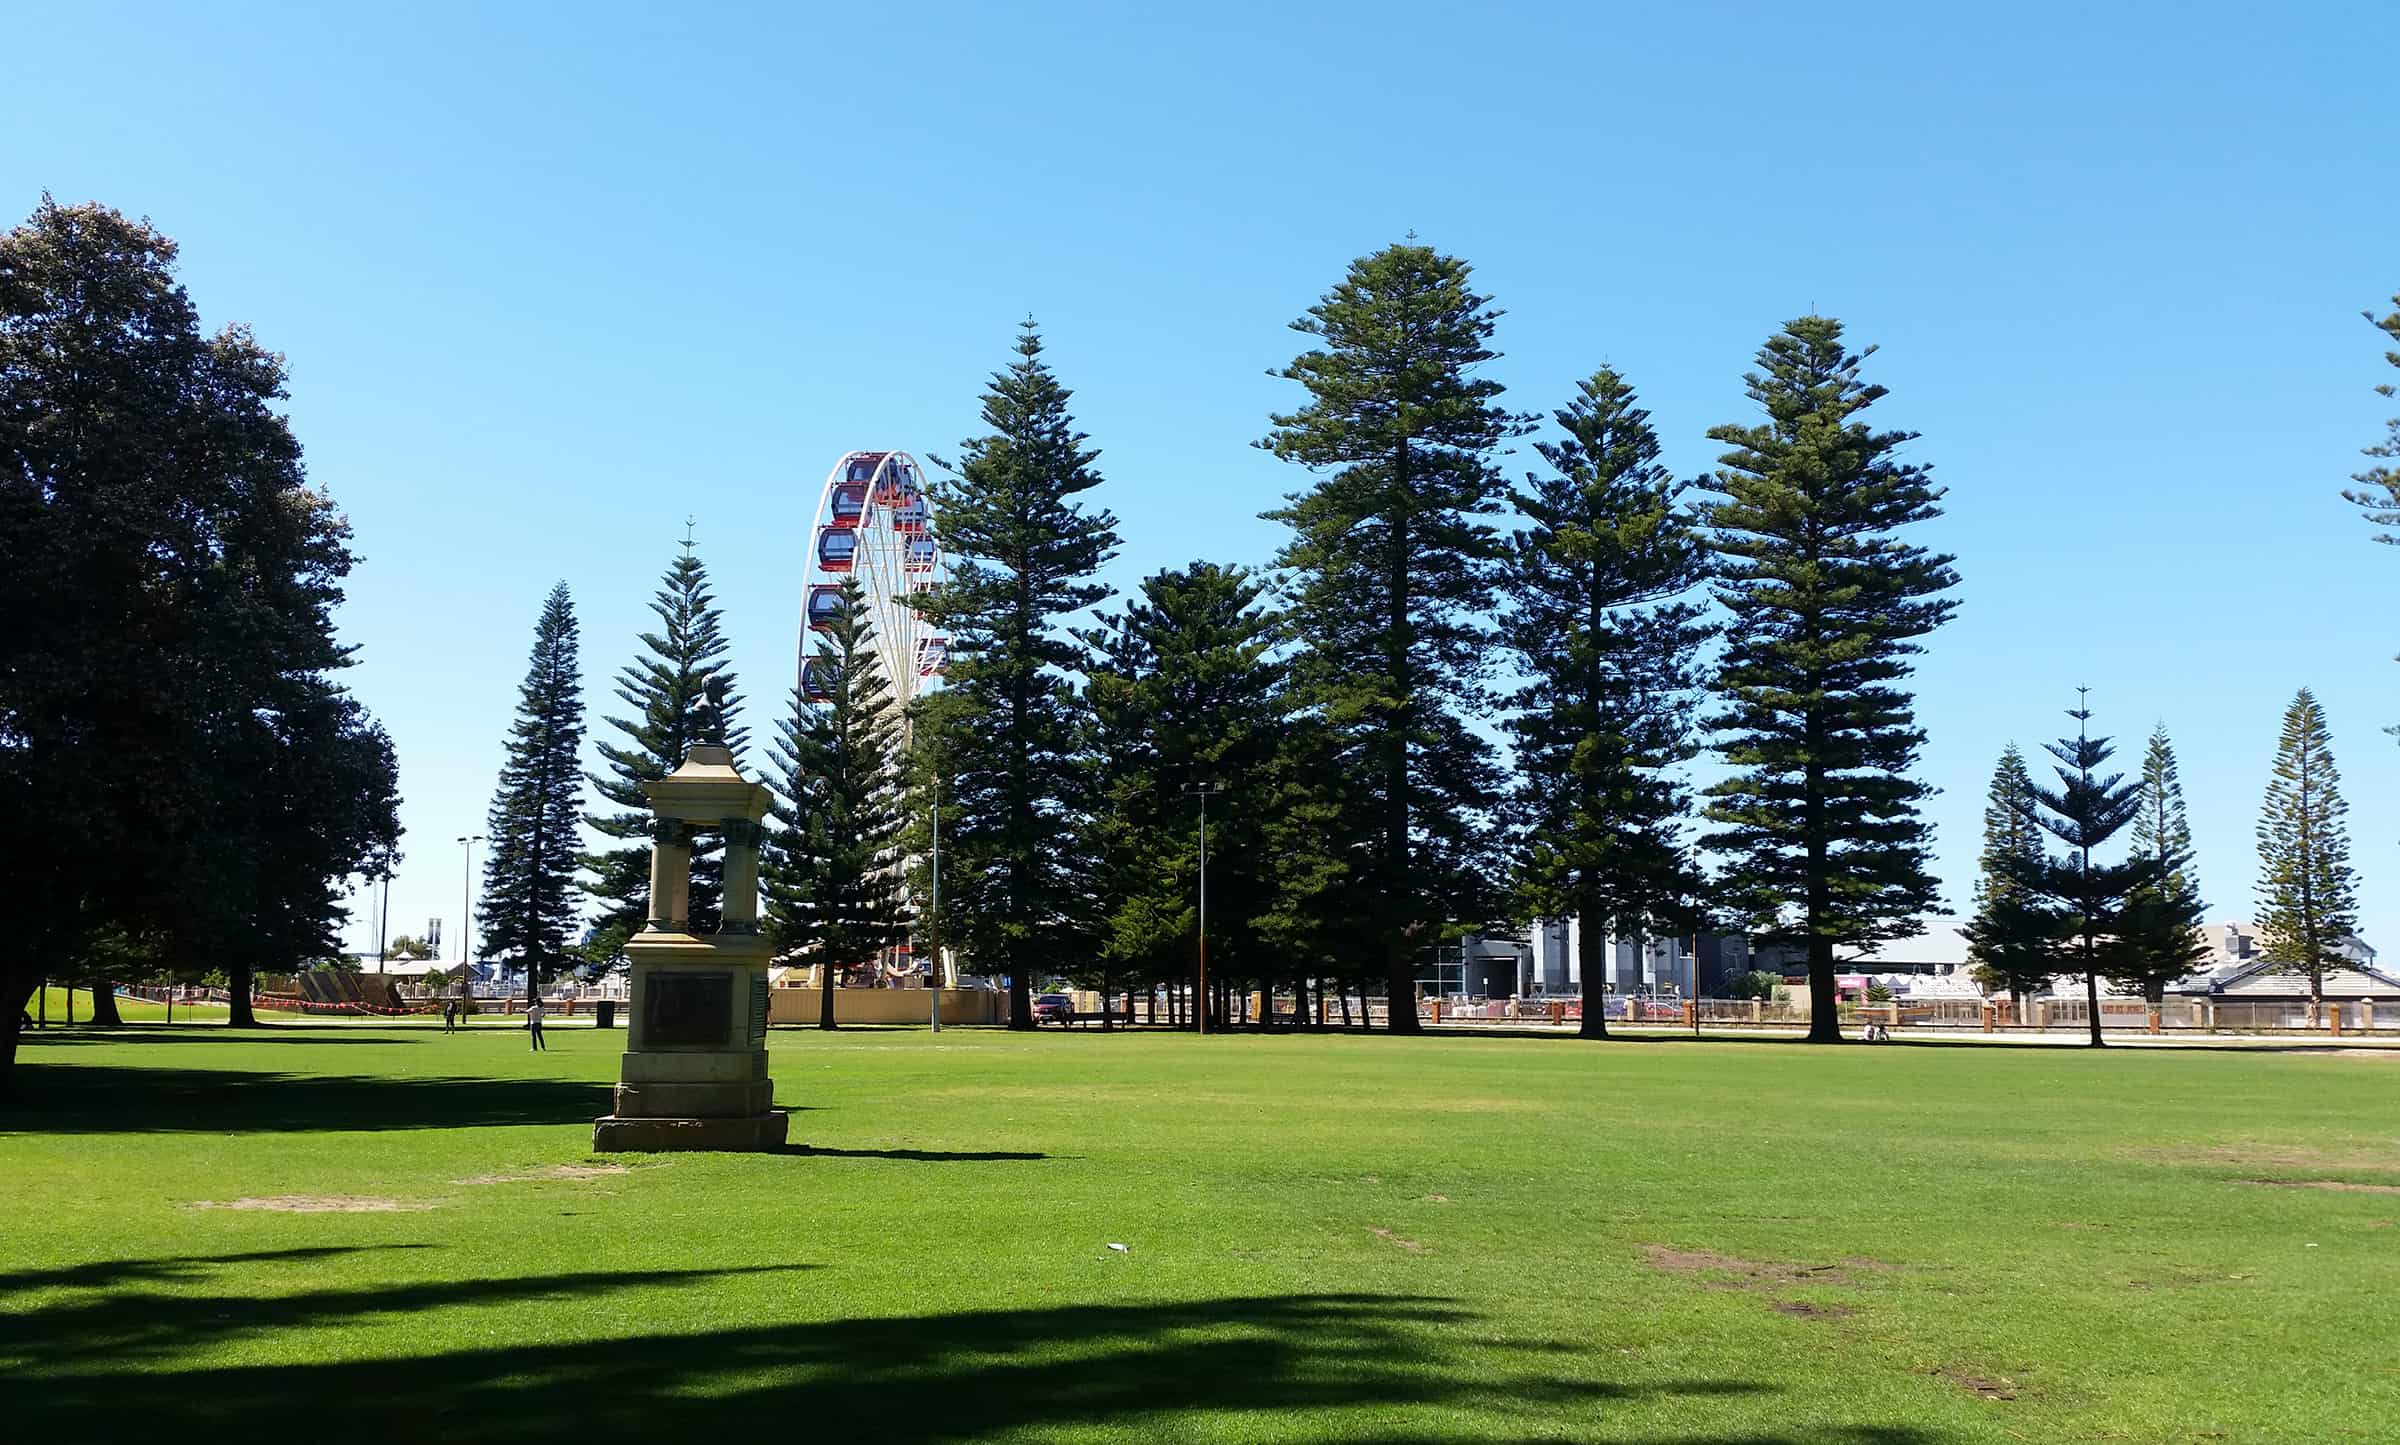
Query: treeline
point(1336, 709)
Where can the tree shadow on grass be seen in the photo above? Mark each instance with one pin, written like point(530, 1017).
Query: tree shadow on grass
point(114, 1099)
point(33, 1040)
point(108, 1368)
point(931, 1156)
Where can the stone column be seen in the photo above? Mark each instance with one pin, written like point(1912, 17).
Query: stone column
point(670, 876)
point(741, 875)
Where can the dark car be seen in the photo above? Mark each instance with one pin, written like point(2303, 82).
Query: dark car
point(1054, 1008)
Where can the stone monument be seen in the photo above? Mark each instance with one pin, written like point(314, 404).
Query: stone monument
point(694, 1073)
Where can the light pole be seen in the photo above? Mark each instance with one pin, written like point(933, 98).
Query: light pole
point(1203, 791)
point(466, 904)
point(935, 974)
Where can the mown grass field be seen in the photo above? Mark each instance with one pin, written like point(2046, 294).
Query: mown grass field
point(373, 1232)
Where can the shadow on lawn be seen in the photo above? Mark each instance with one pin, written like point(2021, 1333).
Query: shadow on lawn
point(55, 1036)
point(108, 1367)
point(113, 1099)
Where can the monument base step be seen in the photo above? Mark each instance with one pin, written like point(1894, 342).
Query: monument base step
point(753, 1133)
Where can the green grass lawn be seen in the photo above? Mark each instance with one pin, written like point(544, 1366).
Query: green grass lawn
point(1326, 1239)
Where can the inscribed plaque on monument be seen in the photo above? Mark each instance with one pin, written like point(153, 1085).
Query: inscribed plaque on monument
point(758, 1009)
point(693, 1010)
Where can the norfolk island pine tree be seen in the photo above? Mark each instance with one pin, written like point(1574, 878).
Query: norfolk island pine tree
point(529, 903)
point(1820, 827)
point(1609, 646)
point(1024, 551)
point(681, 695)
point(2012, 939)
point(834, 863)
point(2089, 898)
point(1396, 563)
point(2308, 896)
point(2163, 918)
point(1186, 690)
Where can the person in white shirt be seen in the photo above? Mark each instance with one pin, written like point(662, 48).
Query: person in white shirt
point(533, 1023)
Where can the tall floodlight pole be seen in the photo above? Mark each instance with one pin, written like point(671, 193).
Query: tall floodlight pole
point(466, 905)
point(1202, 791)
point(935, 974)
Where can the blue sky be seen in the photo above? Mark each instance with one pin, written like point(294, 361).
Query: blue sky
point(552, 279)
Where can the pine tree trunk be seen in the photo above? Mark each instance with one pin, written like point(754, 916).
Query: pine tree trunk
point(1400, 995)
point(237, 997)
point(825, 972)
point(104, 1005)
point(1824, 1009)
point(1594, 980)
point(1020, 999)
point(2091, 996)
point(1108, 1012)
point(16, 990)
point(1342, 991)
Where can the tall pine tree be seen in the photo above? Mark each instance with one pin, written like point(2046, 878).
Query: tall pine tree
point(834, 868)
point(2308, 897)
point(2013, 938)
point(2378, 490)
point(529, 904)
point(1024, 552)
point(1397, 562)
point(1820, 824)
point(682, 696)
point(1186, 692)
point(2163, 919)
point(2085, 812)
point(1598, 614)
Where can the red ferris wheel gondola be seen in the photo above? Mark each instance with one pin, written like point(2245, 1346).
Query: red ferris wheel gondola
point(837, 548)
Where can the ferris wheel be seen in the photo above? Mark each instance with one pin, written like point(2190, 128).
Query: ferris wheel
point(873, 525)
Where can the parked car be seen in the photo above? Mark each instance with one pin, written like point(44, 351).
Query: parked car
point(1054, 1008)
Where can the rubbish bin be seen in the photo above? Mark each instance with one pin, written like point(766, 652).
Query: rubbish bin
point(604, 1014)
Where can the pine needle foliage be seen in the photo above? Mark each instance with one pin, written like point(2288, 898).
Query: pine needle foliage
point(2164, 917)
point(1607, 631)
point(530, 900)
point(1820, 824)
point(2012, 938)
point(682, 696)
point(1009, 728)
point(2087, 897)
point(1396, 560)
point(2378, 491)
point(2308, 896)
point(1186, 691)
point(833, 866)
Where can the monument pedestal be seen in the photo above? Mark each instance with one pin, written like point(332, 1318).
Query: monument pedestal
point(694, 1074)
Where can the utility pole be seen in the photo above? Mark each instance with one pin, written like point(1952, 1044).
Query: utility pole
point(383, 938)
point(1202, 791)
point(466, 916)
point(935, 974)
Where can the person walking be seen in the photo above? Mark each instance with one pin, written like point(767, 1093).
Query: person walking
point(533, 1024)
point(449, 1015)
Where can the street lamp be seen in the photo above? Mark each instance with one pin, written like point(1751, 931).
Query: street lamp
point(1203, 791)
point(466, 905)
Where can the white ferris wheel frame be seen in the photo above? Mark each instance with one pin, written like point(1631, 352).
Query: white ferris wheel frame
point(879, 563)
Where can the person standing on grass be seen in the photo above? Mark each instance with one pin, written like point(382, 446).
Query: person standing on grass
point(449, 1015)
point(533, 1024)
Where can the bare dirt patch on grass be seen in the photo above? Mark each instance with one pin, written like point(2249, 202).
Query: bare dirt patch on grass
point(320, 1204)
point(1984, 1385)
point(1725, 1271)
point(2343, 1185)
point(550, 1171)
point(1803, 1310)
point(2278, 1159)
point(1396, 1241)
